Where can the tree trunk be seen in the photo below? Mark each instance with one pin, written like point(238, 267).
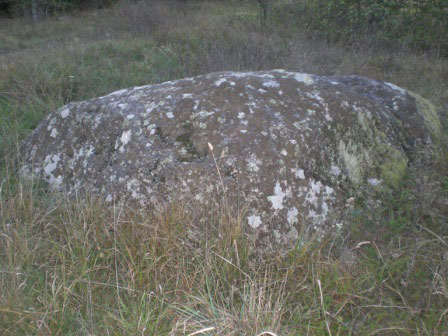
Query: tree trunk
point(263, 11)
point(34, 11)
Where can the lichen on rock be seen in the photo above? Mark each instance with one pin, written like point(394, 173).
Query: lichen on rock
point(291, 147)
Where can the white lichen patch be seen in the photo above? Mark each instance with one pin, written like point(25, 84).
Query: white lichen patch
point(152, 128)
point(304, 78)
point(299, 173)
point(241, 115)
point(169, 115)
point(204, 114)
point(278, 197)
point(64, 113)
point(196, 104)
point(396, 88)
point(125, 137)
point(396, 105)
point(220, 81)
point(271, 84)
point(328, 117)
point(78, 154)
point(315, 95)
point(54, 133)
point(90, 151)
point(150, 107)
point(254, 221)
point(50, 164)
point(320, 102)
point(302, 125)
point(338, 225)
point(335, 170)
point(314, 189)
point(320, 198)
point(292, 216)
point(133, 186)
point(117, 93)
point(329, 191)
point(253, 163)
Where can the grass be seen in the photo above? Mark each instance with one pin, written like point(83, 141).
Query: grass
point(78, 267)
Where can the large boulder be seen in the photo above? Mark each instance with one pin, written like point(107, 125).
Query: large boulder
point(288, 148)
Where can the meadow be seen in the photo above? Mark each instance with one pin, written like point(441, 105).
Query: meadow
point(79, 267)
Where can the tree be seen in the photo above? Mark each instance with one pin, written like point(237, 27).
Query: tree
point(40, 8)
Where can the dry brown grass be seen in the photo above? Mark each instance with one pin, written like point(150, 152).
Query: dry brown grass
point(78, 267)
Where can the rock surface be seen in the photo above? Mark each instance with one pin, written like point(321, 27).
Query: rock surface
point(291, 148)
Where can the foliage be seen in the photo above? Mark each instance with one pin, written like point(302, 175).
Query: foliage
point(45, 7)
point(420, 24)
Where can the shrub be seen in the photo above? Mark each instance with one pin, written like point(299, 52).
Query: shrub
point(39, 8)
point(417, 24)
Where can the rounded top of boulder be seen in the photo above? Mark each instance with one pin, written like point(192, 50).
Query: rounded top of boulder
point(288, 148)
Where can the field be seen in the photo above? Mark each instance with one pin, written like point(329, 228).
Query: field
point(82, 268)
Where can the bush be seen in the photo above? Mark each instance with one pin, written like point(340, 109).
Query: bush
point(39, 8)
point(417, 24)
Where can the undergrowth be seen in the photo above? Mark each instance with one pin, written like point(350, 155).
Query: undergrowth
point(70, 267)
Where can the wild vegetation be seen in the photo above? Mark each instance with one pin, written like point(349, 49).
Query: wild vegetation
point(412, 25)
point(80, 268)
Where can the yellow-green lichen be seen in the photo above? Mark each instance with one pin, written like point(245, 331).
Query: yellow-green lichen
point(358, 160)
point(394, 166)
point(355, 161)
point(429, 113)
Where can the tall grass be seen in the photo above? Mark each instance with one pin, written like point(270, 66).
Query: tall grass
point(71, 267)
point(79, 267)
